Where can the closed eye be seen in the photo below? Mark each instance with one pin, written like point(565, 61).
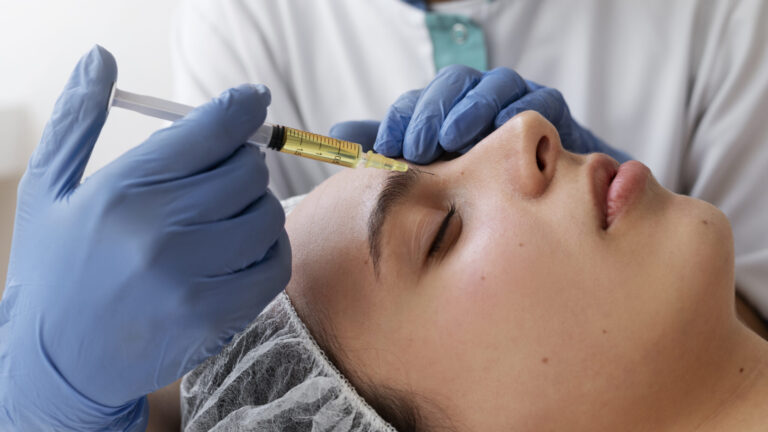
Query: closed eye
point(439, 241)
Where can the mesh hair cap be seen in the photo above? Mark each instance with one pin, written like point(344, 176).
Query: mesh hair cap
point(273, 377)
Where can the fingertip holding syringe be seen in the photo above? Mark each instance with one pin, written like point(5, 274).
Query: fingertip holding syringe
point(275, 137)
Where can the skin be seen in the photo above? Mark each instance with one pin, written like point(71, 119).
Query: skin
point(538, 335)
point(533, 317)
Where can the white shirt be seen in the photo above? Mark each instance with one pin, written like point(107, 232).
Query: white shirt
point(680, 85)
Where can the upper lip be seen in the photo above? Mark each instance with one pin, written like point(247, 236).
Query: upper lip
point(602, 170)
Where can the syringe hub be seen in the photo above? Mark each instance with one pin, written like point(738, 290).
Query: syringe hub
point(375, 160)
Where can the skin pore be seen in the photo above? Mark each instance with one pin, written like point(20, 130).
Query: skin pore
point(528, 314)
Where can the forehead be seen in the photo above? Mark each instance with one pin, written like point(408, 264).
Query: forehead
point(349, 195)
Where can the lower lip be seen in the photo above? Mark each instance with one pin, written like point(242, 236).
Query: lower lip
point(628, 184)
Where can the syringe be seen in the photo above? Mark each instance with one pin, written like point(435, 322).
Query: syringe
point(271, 136)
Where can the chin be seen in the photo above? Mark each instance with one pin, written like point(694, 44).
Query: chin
point(707, 240)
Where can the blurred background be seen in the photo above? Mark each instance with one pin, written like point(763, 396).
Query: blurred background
point(40, 42)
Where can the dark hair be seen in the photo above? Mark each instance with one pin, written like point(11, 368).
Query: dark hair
point(395, 406)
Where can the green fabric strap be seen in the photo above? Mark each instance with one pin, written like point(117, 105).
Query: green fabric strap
point(456, 39)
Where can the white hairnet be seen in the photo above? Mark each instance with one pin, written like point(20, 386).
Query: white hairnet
point(274, 377)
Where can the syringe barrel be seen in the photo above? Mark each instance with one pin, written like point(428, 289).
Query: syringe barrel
point(313, 146)
point(274, 137)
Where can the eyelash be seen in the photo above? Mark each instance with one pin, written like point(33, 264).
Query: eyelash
point(437, 243)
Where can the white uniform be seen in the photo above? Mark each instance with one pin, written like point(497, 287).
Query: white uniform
point(680, 85)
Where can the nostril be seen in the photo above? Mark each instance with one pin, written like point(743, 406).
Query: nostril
point(541, 151)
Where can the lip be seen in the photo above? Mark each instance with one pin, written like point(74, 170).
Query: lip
point(629, 182)
point(603, 169)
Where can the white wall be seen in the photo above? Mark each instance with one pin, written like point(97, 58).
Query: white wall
point(40, 42)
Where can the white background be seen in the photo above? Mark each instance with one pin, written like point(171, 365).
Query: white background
point(40, 42)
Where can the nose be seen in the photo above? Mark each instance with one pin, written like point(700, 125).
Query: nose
point(524, 152)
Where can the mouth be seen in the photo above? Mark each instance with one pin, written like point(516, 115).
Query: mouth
point(629, 182)
point(603, 171)
point(615, 187)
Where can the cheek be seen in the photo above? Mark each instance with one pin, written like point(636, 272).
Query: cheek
point(486, 305)
point(498, 277)
point(518, 284)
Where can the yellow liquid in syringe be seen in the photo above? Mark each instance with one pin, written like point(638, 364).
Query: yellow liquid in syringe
point(330, 150)
point(322, 148)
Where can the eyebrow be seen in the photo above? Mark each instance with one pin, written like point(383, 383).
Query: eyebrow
point(395, 190)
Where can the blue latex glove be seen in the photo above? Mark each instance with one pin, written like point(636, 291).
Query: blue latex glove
point(119, 285)
point(459, 108)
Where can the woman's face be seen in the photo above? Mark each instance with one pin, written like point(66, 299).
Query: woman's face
point(496, 283)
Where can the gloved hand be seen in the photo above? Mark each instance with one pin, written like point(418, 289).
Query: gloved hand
point(119, 285)
point(459, 108)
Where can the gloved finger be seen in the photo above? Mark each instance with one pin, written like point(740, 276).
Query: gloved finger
point(221, 192)
point(229, 302)
point(451, 84)
point(362, 132)
point(473, 117)
point(230, 245)
point(255, 285)
point(203, 138)
point(546, 101)
point(272, 270)
point(78, 116)
point(389, 140)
